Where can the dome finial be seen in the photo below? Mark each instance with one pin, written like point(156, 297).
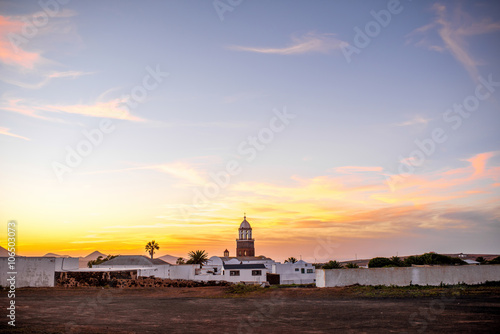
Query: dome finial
point(244, 215)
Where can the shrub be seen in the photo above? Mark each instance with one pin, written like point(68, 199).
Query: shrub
point(332, 265)
point(241, 288)
point(433, 258)
point(351, 265)
point(379, 262)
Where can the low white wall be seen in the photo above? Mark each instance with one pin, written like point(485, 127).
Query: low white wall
point(31, 271)
point(183, 271)
point(432, 275)
point(67, 263)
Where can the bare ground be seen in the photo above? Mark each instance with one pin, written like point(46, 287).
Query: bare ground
point(289, 310)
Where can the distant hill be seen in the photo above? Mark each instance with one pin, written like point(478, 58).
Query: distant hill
point(82, 263)
point(3, 252)
point(169, 258)
point(55, 255)
point(94, 255)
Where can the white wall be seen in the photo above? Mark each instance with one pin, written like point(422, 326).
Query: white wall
point(183, 271)
point(245, 276)
point(161, 271)
point(31, 271)
point(67, 263)
point(432, 275)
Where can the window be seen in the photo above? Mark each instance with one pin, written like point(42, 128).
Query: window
point(256, 272)
point(302, 270)
point(234, 273)
point(309, 271)
point(296, 269)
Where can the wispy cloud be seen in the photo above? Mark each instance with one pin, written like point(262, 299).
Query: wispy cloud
point(9, 53)
point(354, 169)
point(6, 132)
point(180, 170)
point(111, 109)
point(41, 78)
point(114, 109)
point(414, 121)
point(309, 43)
point(352, 195)
point(452, 27)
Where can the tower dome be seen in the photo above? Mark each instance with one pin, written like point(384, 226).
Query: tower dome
point(245, 224)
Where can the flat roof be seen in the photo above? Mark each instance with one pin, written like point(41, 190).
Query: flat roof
point(245, 266)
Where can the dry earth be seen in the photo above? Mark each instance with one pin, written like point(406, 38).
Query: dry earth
point(289, 310)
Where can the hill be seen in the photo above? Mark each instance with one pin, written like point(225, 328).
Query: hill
point(82, 263)
point(169, 258)
point(55, 255)
point(3, 252)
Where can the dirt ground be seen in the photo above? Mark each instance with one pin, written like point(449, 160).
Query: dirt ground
point(289, 310)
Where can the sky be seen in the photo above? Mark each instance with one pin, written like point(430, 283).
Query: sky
point(343, 129)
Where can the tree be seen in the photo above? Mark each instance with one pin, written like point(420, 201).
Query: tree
point(332, 265)
point(197, 257)
point(432, 258)
point(396, 261)
point(351, 265)
point(180, 261)
point(480, 259)
point(151, 247)
point(100, 260)
point(291, 260)
point(379, 262)
point(495, 260)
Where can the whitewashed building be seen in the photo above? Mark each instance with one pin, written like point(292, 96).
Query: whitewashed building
point(245, 273)
point(299, 272)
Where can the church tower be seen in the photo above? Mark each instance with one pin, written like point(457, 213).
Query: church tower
point(245, 243)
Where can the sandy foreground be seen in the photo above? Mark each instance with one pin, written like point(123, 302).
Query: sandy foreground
point(284, 310)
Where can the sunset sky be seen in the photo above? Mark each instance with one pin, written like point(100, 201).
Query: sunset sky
point(342, 129)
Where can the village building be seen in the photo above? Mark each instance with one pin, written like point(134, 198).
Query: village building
point(300, 272)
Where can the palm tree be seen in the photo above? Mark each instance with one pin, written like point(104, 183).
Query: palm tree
point(197, 257)
point(151, 247)
point(180, 261)
point(291, 260)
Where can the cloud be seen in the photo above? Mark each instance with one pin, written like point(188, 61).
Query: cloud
point(114, 109)
point(111, 109)
point(10, 54)
point(354, 169)
point(452, 28)
point(180, 170)
point(309, 43)
point(350, 202)
point(6, 132)
point(415, 120)
point(183, 171)
point(40, 78)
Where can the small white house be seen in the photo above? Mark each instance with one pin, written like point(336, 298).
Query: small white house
point(245, 273)
point(299, 272)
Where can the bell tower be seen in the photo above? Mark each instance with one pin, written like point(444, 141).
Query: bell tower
point(245, 243)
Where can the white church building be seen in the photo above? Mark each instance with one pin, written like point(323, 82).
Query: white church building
point(299, 272)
